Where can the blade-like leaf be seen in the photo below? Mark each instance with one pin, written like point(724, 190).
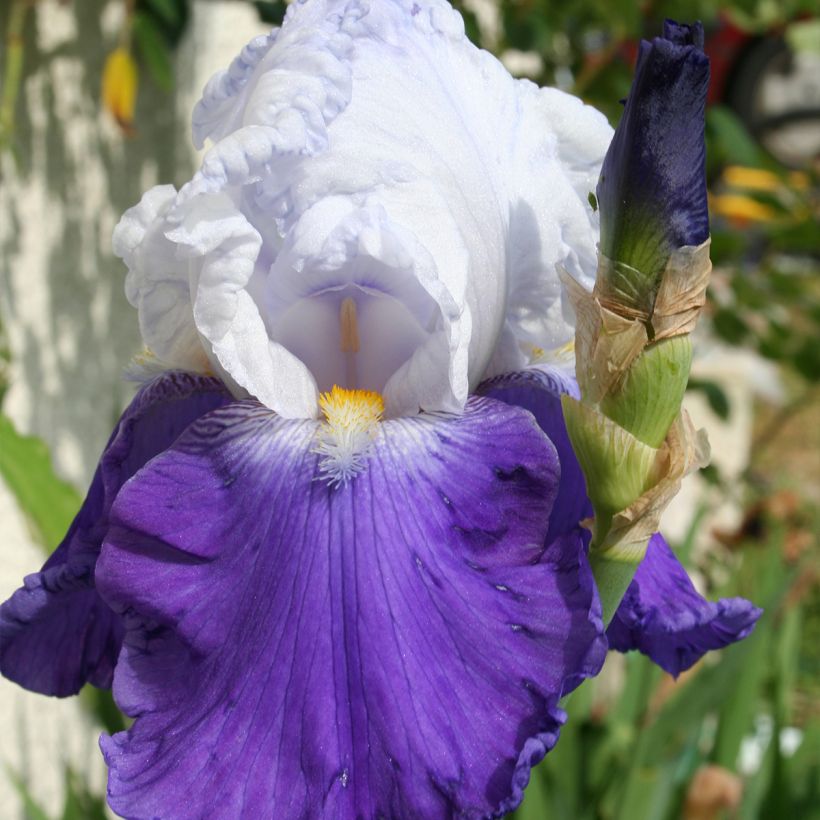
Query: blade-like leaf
point(154, 51)
point(48, 502)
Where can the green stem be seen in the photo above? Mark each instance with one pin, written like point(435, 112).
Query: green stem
point(127, 30)
point(612, 577)
point(12, 69)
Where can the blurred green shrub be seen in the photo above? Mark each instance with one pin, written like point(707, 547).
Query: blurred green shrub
point(717, 742)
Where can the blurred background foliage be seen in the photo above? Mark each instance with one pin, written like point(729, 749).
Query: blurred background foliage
point(738, 735)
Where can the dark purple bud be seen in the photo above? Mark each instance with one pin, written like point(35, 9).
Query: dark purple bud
point(652, 189)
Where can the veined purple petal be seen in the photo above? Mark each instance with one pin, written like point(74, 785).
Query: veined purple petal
point(539, 390)
point(663, 615)
point(392, 647)
point(652, 190)
point(56, 634)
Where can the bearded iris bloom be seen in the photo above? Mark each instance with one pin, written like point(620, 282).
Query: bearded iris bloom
point(332, 559)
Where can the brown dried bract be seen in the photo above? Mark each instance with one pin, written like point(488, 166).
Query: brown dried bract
point(682, 293)
point(609, 337)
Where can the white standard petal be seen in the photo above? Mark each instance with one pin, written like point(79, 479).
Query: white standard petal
point(369, 174)
point(222, 249)
point(382, 208)
point(220, 110)
point(157, 282)
point(560, 146)
point(348, 269)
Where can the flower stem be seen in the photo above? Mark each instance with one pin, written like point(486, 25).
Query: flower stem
point(613, 577)
point(12, 70)
point(633, 353)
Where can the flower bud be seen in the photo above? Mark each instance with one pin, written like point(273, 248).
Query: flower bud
point(632, 337)
point(652, 188)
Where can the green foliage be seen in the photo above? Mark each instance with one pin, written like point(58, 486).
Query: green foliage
point(270, 11)
point(765, 248)
point(715, 395)
point(730, 142)
point(773, 308)
point(48, 503)
point(157, 27)
point(635, 755)
point(168, 18)
point(80, 803)
point(100, 705)
point(153, 51)
point(169, 14)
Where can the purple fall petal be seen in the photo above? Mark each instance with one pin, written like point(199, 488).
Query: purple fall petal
point(392, 647)
point(539, 390)
point(663, 615)
point(56, 634)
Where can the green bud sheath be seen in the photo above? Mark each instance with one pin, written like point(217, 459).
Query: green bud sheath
point(649, 398)
point(618, 466)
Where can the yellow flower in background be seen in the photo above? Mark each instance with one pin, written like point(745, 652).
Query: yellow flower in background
point(742, 209)
point(119, 87)
point(759, 179)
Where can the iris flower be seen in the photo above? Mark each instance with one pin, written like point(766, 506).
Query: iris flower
point(331, 559)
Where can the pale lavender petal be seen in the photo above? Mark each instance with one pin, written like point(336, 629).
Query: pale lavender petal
point(539, 390)
point(663, 615)
point(392, 647)
point(56, 634)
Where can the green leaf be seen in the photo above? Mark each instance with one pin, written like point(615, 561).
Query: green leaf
point(730, 141)
point(154, 51)
point(786, 285)
point(746, 693)
point(471, 27)
point(727, 682)
point(270, 11)
point(714, 394)
point(169, 12)
point(752, 659)
point(80, 803)
point(729, 326)
point(755, 791)
point(804, 773)
point(537, 797)
point(711, 475)
point(807, 360)
point(100, 703)
point(727, 247)
point(33, 810)
point(48, 503)
point(649, 792)
point(749, 293)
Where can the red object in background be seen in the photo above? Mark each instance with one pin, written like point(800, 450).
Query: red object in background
point(774, 92)
point(724, 47)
